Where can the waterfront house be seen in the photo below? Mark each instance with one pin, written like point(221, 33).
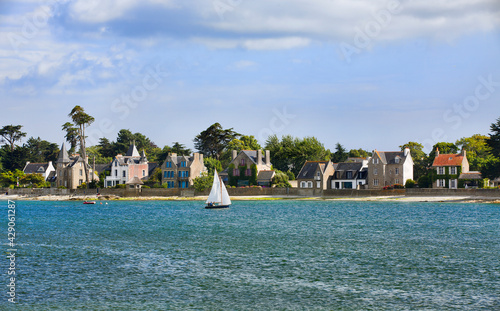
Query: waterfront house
point(349, 175)
point(315, 174)
point(47, 170)
point(448, 168)
point(180, 171)
point(70, 170)
point(246, 166)
point(125, 167)
point(387, 168)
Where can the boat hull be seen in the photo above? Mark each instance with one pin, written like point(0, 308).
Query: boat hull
point(216, 206)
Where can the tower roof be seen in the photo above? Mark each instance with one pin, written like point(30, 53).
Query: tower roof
point(132, 151)
point(63, 155)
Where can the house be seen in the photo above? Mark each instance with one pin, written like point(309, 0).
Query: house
point(246, 166)
point(387, 168)
point(180, 171)
point(449, 167)
point(47, 170)
point(315, 174)
point(125, 168)
point(70, 171)
point(265, 177)
point(349, 175)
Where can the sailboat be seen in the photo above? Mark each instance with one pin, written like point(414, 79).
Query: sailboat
point(218, 197)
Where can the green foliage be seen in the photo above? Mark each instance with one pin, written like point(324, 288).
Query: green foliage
point(106, 148)
point(94, 152)
point(410, 183)
point(340, 154)
point(11, 177)
point(420, 159)
point(11, 134)
point(426, 181)
point(40, 151)
point(35, 180)
point(290, 175)
point(243, 143)
point(280, 180)
point(120, 186)
point(291, 153)
point(232, 180)
point(494, 140)
point(359, 153)
point(71, 135)
point(15, 159)
point(203, 182)
point(213, 141)
point(444, 148)
point(212, 164)
point(180, 149)
point(253, 178)
point(478, 150)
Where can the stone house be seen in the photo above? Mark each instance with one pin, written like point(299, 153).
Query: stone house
point(180, 171)
point(349, 175)
point(247, 168)
point(450, 168)
point(70, 171)
point(387, 168)
point(125, 168)
point(315, 175)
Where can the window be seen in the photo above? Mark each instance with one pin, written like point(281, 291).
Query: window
point(80, 182)
point(143, 173)
point(318, 184)
point(168, 164)
point(116, 163)
point(396, 160)
point(453, 183)
point(81, 172)
point(440, 170)
point(242, 162)
point(375, 160)
point(396, 171)
point(390, 172)
point(165, 174)
point(453, 170)
point(183, 164)
point(124, 173)
point(116, 173)
point(248, 172)
point(236, 172)
point(309, 184)
point(441, 182)
point(303, 184)
point(375, 171)
point(375, 182)
point(397, 181)
point(349, 175)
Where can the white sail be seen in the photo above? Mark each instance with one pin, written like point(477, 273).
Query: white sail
point(215, 193)
point(225, 196)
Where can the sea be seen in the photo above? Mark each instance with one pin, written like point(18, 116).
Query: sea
point(256, 255)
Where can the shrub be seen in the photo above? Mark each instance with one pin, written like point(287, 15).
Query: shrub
point(398, 186)
point(410, 183)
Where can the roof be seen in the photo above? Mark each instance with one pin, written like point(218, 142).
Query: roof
point(132, 151)
point(344, 167)
point(151, 167)
point(63, 155)
point(32, 168)
point(265, 175)
point(102, 167)
point(134, 181)
point(52, 177)
point(389, 157)
point(448, 160)
point(471, 175)
point(252, 154)
point(310, 167)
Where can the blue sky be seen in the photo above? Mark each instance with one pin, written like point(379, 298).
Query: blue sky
point(369, 74)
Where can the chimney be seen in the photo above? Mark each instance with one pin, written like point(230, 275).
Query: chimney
point(200, 156)
point(259, 157)
point(268, 157)
point(407, 152)
point(464, 153)
point(235, 154)
point(437, 152)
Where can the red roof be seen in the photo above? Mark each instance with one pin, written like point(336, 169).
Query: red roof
point(448, 160)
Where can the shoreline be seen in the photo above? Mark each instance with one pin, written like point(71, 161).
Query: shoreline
point(430, 199)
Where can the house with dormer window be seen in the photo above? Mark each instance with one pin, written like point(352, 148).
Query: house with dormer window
point(47, 170)
point(349, 175)
point(126, 167)
point(180, 171)
point(315, 174)
point(387, 168)
point(248, 167)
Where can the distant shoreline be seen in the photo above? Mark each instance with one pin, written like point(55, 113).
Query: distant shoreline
point(449, 199)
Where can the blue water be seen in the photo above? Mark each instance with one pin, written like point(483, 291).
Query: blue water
point(257, 255)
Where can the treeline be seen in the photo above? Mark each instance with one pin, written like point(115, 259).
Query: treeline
point(288, 153)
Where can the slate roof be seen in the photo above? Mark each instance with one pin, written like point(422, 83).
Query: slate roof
point(52, 177)
point(32, 168)
point(99, 168)
point(310, 167)
point(448, 160)
point(470, 175)
point(344, 167)
point(151, 167)
point(132, 151)
point(389, 157)
point(265, 175)
point(252, 154)
point(63, 155)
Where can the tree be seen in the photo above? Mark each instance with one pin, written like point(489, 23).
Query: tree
point(478, 150)
point(239, 144)
point(444, 148)
point(82, 120)
point(11, 134)
point(180, 149)
point(12, 160)
point(213, 141)
point(340, 154)
point(203, 182)
point(71, 135)
point(491, 169)
point(291, 153)
point(359, 153)
point(280, 180)
point(94, 153)
point(212, 164)
point(494, 141)
point(106, 148)
point(11, 178)
point(420, 160)
point(41, 150)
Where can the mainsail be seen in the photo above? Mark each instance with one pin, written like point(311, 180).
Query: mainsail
point(218, 194)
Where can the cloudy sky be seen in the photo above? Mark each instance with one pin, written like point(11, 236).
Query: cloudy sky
point(369, 74)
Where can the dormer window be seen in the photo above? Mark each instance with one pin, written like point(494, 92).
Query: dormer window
point(375, 160)
point(349, 174)
point(396, 160)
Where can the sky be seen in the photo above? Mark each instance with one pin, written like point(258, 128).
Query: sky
point(369, 74)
